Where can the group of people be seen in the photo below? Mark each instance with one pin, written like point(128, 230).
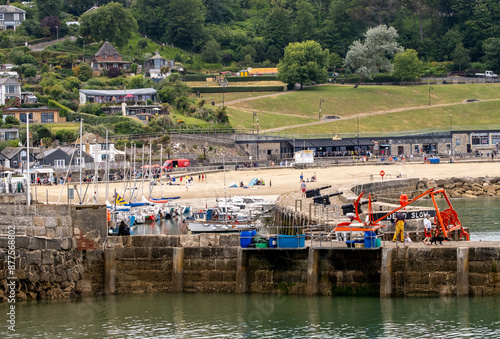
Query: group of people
point(429, 232)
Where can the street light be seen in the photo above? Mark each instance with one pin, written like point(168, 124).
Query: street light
point(258, 139)
point(57, 30)
point(430, 89)
point(451, 135)
point(320, 101)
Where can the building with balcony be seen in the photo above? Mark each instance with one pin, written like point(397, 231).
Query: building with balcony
point(9, 88)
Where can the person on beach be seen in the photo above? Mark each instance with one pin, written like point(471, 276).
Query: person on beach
point(400, 226)
point(301, 177)
point(407, 238)
point(303, 188)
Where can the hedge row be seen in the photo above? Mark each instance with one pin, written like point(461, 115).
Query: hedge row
point(195, 77)
point(253, 78)
point(96, 120)
point(63, 110)
point(237, 89)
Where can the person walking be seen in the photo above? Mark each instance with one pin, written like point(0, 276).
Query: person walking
point(400, 227)
point(303, 188)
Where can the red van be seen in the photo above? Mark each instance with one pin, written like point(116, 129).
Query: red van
point(175, 163)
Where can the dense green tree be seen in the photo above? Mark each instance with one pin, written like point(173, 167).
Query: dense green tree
point(139, 81)
point(110, 22)
point(186, 25)
point(78, 7)
point(460, 56)
point(303, 28)
point(407, 66)
point(39, 132)
point(211, 52)
point(49, 7)
point(303, 62)
point(222, 11)
point(12, 120)
point(153, 17)
point(492, 53)
point(171, 89)
point(83, 71)
point(65, 136)
point(277, 28)
point(371, 56)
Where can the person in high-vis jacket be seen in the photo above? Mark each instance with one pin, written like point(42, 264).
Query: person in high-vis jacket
point(400, 227)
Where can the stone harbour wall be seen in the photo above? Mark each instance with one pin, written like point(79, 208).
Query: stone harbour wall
point(57, 268)
point(465, 187)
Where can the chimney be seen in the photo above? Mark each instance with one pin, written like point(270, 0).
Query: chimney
point(8, 2)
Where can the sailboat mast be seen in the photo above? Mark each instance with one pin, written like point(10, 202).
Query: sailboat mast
point(161, 170)
point(28, 197)
point(106, 169)
point(81, 149)
point(150, 163)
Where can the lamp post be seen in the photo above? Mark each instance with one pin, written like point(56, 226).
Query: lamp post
point(320, 101)
point(451, 134)
point(83, 50)
point(57, 33)
point(258, 139)
point(430, 89)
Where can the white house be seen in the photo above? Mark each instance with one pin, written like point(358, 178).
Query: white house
point(11, 16)
point(9, 88)
point(95, 146)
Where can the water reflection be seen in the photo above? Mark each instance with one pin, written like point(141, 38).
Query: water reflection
point(258, 316)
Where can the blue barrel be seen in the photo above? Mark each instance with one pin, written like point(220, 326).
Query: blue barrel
point(273, 242)
point(246, 238)
point(370, 239)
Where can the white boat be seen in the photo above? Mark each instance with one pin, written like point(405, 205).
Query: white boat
point(208, 221)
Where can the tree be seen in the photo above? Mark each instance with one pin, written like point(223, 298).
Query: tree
point(11, 120)
point(170, 90)
point(49, 7)
point(186, 27)
point(460, 55)
point(52, 24)
point(110, 22)
point(491, 49)
point(303, 62)
point(407, 66)
point(211, 52)
point(83, 71)
point(372, 55)
point(277, 28)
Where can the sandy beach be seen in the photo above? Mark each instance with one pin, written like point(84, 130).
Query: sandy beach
point(277, 181)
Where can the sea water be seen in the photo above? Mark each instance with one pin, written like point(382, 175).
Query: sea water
point(175, 315)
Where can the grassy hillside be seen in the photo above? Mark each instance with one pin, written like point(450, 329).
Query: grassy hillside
point(378, 108)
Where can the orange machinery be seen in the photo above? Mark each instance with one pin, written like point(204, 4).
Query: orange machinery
point(446, 220)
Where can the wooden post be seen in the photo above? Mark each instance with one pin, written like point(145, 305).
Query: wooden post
point(462, 271)
point(178, 270)
point(312, 272)
point(241, 271)
point(386, 273)
point(109, 271)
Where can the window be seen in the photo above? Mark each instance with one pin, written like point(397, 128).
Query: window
point(115, 56)
point(104, 56)
point(1, 17)
point(458, 142)
point(47, 117)
point(16, 16)
point(103, 157)
point(77, 161)
point(10, 89)
point(59, 163)
point(22, 117)
point(103, 147)
point(115, 65)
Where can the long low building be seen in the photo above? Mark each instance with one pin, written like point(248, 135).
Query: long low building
point(117, 95)
point(36, 115)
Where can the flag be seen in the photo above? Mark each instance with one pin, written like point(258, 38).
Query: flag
point(119, 200)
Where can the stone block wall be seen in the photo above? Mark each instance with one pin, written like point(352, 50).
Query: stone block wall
point(45, 268)
point(438, 271)
point(86, 223)
point(349, 272)
point(277, 271)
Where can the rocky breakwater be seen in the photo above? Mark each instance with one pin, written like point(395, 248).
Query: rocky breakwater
point(464, 187)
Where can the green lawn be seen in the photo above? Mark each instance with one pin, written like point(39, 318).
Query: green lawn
point(344, 100)
point(217, 97)
point(302, 107)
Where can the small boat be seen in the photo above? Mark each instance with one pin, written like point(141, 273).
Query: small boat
point(209, 221)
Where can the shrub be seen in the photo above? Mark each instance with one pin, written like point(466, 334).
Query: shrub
point(114, 72)
point(11, 120)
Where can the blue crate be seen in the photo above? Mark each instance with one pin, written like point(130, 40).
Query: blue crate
point(291, 241)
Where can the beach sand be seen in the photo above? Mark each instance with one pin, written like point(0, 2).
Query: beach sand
point(283, 180)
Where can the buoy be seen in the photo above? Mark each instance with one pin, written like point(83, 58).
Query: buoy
point(403, 199)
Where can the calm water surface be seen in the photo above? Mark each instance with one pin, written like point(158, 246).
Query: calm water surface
point(258, 316)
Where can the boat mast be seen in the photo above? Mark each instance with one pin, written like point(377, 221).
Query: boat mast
point(161, 170)
point(106, 169)
point(149, 176)
point(81, 149)
point(28, 197)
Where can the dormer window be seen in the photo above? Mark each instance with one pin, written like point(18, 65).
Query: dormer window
point(104, 56)
point(115, 56)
